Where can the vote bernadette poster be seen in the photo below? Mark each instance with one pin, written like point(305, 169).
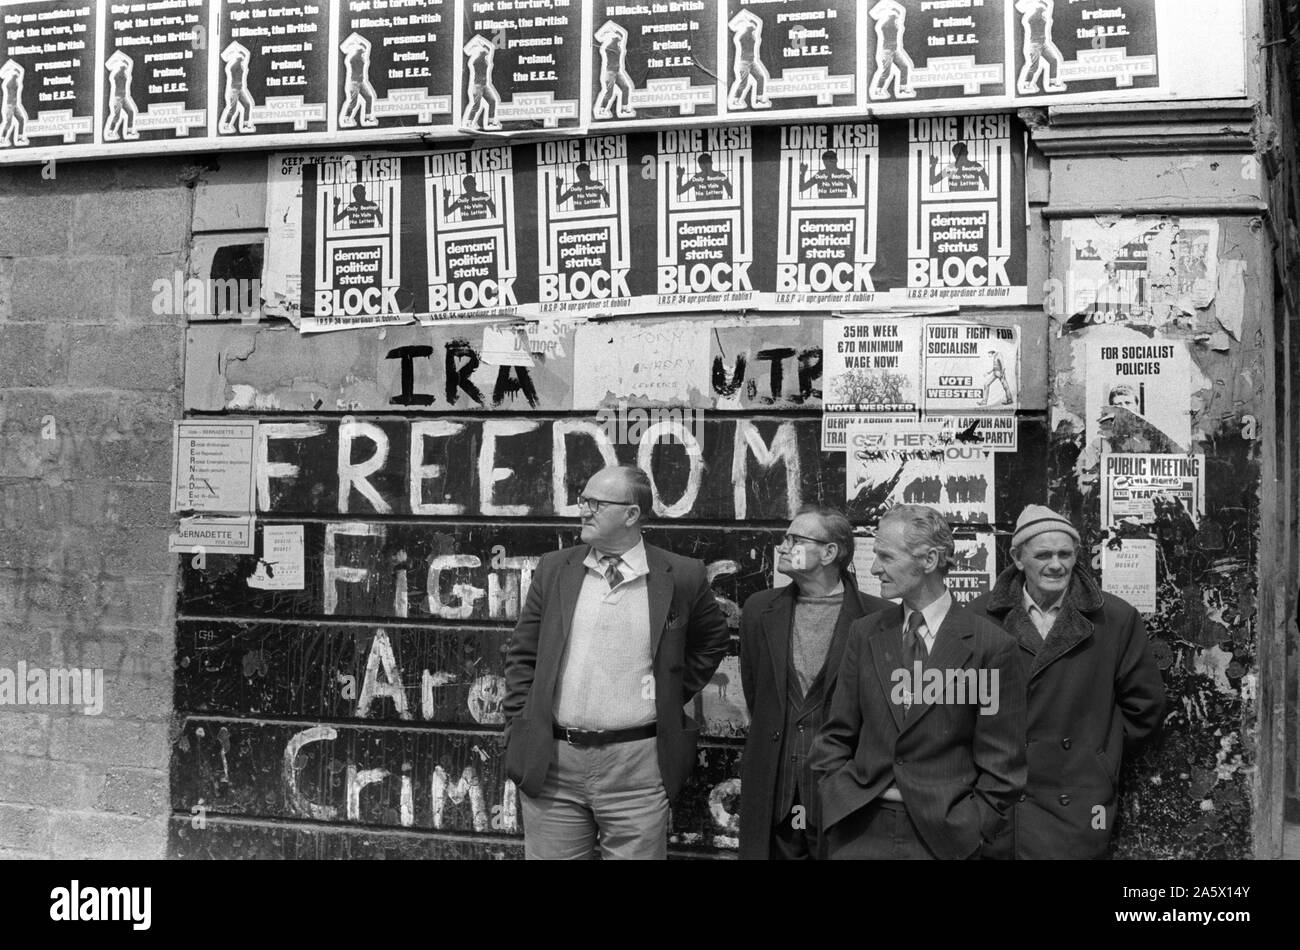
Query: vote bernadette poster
point(47, 74)
point(653, 61)
point(394, 65)
point(519, 67)
point(605, 225)
point(155, 82)
point(273, 68)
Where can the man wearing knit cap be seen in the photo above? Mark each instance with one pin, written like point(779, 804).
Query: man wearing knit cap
point(1093, 689)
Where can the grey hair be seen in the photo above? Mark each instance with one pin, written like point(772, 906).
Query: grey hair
point(923, 527)
point(838, 529)
point(638, 482)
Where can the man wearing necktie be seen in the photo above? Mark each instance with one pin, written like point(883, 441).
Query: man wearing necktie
point(1094, 691)
point(906, 770)
point(614, 638)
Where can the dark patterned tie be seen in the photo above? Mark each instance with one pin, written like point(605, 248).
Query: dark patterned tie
point(913, 650)
point(612, 573)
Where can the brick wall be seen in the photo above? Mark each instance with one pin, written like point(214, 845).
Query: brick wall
point(90, 380)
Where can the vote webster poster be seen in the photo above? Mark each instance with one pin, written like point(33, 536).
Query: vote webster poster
point(274, 67)
point(791, 57)
point(47, 74)
point(653, 61)
point(155, 71)
point(728, 218)
point(520, 66)
point(395, 64)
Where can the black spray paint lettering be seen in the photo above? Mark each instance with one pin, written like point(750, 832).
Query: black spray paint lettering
point(727, 383)
point(461, 364)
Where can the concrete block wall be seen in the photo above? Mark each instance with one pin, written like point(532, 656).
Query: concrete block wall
point(90, 381)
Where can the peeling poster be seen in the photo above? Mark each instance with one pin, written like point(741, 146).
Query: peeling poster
point(1138, 271)
point(1132, 485)
point(1139, 395)
point(666, 363)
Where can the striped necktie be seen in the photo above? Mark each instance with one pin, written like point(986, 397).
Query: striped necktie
point(612, 573)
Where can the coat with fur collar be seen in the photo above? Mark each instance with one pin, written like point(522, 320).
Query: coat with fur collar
point(1093, 689)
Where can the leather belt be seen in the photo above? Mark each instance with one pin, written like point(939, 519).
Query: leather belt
point(589, 737)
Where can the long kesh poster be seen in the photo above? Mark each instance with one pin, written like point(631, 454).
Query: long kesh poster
point(725, 218)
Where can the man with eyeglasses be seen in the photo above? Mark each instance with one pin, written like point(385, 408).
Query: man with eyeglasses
point(791, 643)
point(614, 638)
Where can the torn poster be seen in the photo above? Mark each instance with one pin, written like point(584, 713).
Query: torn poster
point(1128, 570)
point(958, 482)
point(913, 432)
point(1231, 306)
point(506, 346)
point(1145, 487)
point(880, 432)
point(212, 466)
point(281, 566)
point(1138, 271)
point(1139, 396)
point(971, 366)
point(664, 363)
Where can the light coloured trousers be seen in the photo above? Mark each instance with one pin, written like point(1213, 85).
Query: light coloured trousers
point(610, 795)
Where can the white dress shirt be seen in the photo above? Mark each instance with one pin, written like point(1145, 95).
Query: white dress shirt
point(1043, 619)
point(932, 617)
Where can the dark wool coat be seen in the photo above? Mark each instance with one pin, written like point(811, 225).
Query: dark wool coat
point(1093, 689)
point(765, 624)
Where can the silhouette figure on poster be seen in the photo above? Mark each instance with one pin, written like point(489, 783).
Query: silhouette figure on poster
point(358, 94)
point(615, 84)
point(893, 64)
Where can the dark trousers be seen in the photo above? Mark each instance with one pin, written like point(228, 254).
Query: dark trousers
point(880, 831)
point(796, 844)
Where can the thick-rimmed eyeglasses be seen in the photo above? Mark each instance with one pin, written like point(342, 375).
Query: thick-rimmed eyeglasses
point(598, 504)
point(791, 539)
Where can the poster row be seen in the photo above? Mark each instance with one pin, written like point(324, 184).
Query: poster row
point(919, 213)
point(128, 77)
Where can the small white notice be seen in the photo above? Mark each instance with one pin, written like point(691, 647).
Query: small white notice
point(281, 566)
point(212, 466)
point(213, 535)
point(1128, 570)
